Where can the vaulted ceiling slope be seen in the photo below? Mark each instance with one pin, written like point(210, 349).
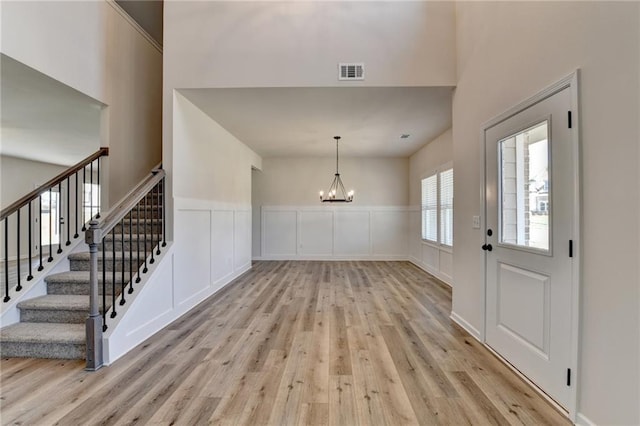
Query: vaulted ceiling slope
point(43, 119)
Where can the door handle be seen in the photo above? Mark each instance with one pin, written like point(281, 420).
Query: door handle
point(487, 247)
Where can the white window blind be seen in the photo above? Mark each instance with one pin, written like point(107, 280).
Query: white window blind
point(446, 207)
point(430, 208)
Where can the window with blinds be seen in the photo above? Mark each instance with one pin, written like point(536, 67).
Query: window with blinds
point(437, 207)
point(430, 208)
point(446, 207)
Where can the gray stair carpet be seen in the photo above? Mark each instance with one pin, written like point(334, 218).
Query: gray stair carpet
point(53, 325)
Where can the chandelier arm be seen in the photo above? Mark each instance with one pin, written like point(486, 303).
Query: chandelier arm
point(344, 192)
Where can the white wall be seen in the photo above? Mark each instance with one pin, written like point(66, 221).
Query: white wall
point(91, 47)
point(434, 258)
point(299, 44)
point(508, 51)
point(212, 190)
point(296, 183)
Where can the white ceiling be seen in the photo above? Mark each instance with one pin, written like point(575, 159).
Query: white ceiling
point(295, 122)
point(44, 120)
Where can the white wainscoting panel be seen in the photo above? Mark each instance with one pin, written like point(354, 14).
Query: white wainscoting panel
point(390, 238)
point(433, 258)
point(193, 253)
point(352, 233)
point(279, 229)
point(222, 244)
point(335, 232)
point(430, 256)
point(415, 231)
point(242, 239)
point(446, 265)
point(212, 247)
point(316, 233)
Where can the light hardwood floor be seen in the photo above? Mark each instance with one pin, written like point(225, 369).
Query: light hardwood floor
point(340, 343)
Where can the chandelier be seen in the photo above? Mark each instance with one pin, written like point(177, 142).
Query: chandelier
point(337, 193)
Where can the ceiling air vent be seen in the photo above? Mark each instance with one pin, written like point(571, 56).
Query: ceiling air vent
point(351, 71)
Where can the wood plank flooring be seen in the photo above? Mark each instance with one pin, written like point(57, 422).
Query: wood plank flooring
point(291, 343)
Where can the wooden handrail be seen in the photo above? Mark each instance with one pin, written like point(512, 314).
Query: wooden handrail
point(125, 206)
point(104, 151)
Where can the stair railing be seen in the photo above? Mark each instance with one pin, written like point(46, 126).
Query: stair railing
point(74, 203)
point(141, 217)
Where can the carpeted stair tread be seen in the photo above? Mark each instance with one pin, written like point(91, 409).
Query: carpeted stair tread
point(81, 277)
point(130, 237)
point(35, 332)
point(66, 302)
point(85, 256)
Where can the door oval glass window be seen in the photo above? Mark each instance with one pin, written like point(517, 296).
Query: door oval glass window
point(525, 188)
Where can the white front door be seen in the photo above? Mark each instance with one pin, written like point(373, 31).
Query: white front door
point(529, 236)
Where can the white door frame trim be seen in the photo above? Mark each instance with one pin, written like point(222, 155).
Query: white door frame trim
point(572, 82)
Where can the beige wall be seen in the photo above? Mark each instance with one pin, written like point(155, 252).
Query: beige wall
point(508, 51)
point(433, 155)
point(19, 177)
point(92, 48)
point(297, 181)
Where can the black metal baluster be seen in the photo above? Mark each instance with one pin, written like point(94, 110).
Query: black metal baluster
point(68, 211)
point(40, 250)
point(157, 214)
point(19, 286)
point(6, 260)
point(50, 259)
point(99, 195)
point(84, 180)
point(30, 243)
point(163, 218)
point(138, 244)
point(91, 190)
point(130, 252)
point(60, 219)
point(113, 273)
point(77, 213)
point(152, 211)
point(123, 283)
point(104, 286)
point(144, 213)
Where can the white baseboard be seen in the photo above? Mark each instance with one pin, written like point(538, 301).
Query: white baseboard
point(474, 332)
point(444, 278)
point(364, 257)
point(582, 420)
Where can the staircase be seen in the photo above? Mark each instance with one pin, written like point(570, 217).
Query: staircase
point(53, 325)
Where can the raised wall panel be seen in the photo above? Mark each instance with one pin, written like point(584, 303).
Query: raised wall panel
point(415, 234)
point(193, 253)
point(352, 233)
point(389, 232)
point(316, 233)
point(242, 235)
point(446, 264)
point(523, 305)
point(280, 233)
point(222, 243)
point(430, 257)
